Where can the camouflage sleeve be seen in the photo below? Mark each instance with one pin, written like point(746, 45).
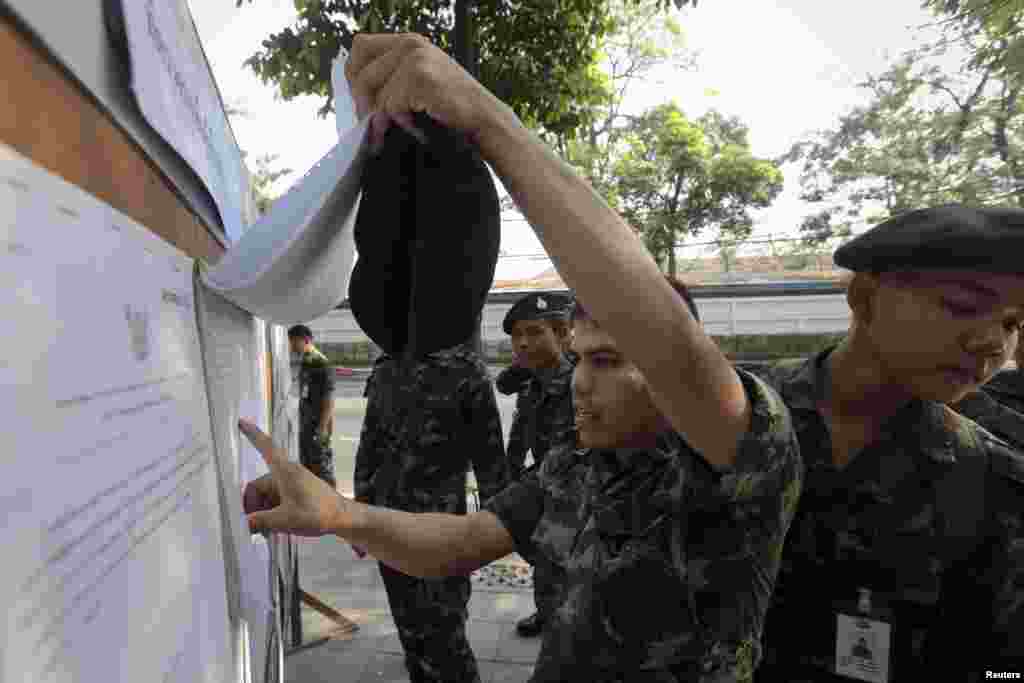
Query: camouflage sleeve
point(519, 508)
point(563, 422)
point(744, 513)
point(516, 454)
point(767, 465)
point(365, 461)
point(483, 438)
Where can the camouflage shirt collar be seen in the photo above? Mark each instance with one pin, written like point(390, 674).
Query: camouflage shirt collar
point(615, 460)
point(555, 381)
point(923, 426)
point(808, 385)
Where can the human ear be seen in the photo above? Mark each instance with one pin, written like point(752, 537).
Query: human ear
point(861, 294)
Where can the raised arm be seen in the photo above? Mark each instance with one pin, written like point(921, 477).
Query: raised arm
point(603, 260)
point(595, 252)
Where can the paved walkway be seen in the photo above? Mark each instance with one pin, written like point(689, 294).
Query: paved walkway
point(331, 572)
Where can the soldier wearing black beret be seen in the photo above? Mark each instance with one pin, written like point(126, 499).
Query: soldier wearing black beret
point(912, 516)
point(539, 326)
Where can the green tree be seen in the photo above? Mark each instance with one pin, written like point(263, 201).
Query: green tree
point(264, 175)
point(680, 177)
point(641, 40)
point(263, 179)
point(536, 55)
point(992, 29)
point(926, 136)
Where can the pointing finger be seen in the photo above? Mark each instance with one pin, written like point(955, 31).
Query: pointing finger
point(275, 459)
point(262, 522)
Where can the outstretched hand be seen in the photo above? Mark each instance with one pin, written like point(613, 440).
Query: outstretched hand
point(290, 499)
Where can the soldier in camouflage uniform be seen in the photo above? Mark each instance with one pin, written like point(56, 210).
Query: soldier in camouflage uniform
point(538, 325)
point(911, 524)
point(669, 560)
point(314, 382)
point(426, 420)
point(670, 523)
point(662, 552)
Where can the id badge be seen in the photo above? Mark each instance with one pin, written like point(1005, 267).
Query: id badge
point(862, 648)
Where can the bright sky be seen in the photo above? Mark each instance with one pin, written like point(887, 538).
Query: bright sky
point(783, 67)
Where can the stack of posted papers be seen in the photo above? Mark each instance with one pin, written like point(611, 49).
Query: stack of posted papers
point(294, 264)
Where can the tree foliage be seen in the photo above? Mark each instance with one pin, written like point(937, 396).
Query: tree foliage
point(995, 28)
point(927, 136)
point(642, 40)
point(680, 177)
point(263, 178)
point(536, 55)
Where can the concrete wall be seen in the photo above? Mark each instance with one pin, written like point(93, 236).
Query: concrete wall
point(724, 316)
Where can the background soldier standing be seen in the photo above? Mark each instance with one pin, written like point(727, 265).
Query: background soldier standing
point(315, 384)
point(539, 327)
point(426, 419)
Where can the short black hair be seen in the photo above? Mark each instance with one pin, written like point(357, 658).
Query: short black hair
point(300, 331)
point(580, 313)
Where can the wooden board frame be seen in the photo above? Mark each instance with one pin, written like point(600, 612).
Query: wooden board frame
point(50, 119)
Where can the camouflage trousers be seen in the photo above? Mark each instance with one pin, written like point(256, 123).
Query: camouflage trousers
point(546, 587)
point(317, 457)
point(430, 615)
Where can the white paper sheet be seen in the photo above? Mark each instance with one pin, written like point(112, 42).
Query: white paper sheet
point(344, 107)
point(294, 263)
point(233, 347)
point(251, 463)
point(178, 97)
point(113, 566)
point(285, 430)
point(254, 554)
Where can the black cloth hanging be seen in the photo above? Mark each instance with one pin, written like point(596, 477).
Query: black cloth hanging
point(427, 234)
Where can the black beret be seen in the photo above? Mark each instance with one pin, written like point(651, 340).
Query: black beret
point(943, 237)
point(429, 213)
point(542, 306)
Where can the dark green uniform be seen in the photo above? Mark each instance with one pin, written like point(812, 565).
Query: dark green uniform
point(426, 421)
point(929, 520)
point(991, 408)
point(316, 385)
point(544, 417)
point(669, 563)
